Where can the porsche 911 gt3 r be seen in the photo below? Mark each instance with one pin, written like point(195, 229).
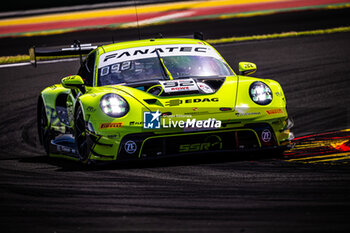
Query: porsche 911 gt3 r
point(160, 97)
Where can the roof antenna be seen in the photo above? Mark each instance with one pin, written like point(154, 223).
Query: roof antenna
point(137, 20)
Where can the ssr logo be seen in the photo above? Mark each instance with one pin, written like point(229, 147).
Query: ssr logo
point(212, 142)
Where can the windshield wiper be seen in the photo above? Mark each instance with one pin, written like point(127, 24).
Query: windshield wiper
point(166, 72)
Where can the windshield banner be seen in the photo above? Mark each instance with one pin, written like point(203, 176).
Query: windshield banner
point(151, 51)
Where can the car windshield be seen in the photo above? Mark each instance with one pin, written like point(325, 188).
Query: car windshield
point(144, 64)
point(150, 69)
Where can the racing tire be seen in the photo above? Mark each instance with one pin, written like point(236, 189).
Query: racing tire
point(80, 135)
point(43, 126)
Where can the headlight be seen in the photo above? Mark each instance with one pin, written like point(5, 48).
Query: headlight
point(114, 105)
point(260, 93)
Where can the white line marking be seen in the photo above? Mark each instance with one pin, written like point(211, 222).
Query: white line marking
point(38, 63)
point(15, 64)
point(58, 60)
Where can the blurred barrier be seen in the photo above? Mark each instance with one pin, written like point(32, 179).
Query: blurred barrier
point(125, 17)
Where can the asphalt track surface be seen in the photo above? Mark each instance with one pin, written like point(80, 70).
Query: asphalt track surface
point(213, 193)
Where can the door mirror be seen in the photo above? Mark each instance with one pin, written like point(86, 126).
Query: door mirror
point(73, 82)
point(246, 68)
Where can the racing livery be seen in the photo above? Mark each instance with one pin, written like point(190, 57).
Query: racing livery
point(160, 97)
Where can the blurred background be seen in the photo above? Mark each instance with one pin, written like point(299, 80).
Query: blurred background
point(42, 4)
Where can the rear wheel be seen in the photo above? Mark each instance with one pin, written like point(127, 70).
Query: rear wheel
point(43, 127)
point(80, 135)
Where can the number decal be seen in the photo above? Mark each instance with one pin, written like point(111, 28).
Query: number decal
point(116, 68)
point(179, 85)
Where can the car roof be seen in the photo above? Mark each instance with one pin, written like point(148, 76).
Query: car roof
point(148, 42)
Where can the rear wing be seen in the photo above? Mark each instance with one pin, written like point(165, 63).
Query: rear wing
point(76, 49)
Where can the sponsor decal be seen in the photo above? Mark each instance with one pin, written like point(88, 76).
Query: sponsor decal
point(65, 149)
point(114, 136)
point(90, 109)
point(111, 125)
point(179, 85)
point(274, 111)
point(51, 113)
point(248, 66)
point(136, 123)
point(196, 113)
point(53, 87)
point(165, 114)
point(212, 142)
point(72, 77)
point(151, 51)
point(247, 113)
point(151, 120)
point(266, 135)
point(177, 102)
point(205, 88)
point(130, 147)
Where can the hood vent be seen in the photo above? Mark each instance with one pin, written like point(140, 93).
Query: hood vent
point(150, 101)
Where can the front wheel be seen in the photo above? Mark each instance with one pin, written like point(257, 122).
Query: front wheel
point(81, 136)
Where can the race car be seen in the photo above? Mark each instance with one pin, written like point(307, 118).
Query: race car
point(156, 98)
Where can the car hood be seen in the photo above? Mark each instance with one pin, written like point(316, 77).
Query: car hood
point(223, 98)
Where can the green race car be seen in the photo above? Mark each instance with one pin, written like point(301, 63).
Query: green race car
point(160, 97)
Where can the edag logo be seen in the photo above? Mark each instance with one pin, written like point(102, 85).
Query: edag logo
point(151, 120)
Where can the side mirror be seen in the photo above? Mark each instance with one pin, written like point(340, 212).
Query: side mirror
point(74, 82)
point(246, 68)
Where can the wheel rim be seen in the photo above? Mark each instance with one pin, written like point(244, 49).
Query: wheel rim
point(80, 136)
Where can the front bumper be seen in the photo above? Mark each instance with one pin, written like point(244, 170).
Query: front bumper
point(139, 146)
